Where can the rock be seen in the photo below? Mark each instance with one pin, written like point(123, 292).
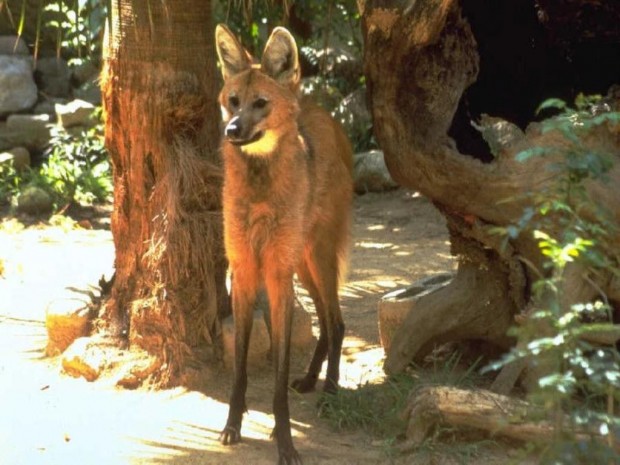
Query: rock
point(86, 72)
point(370, 173)
point(338, 63)
point(53, 77)
point(65, 321)
point(13, 45)
point(394, 306)
point(31, 131)
point(355, 117)
point(301, 334)
point(18, 156)
point(260, 340)
point(75, 113)
point(89, 92)
point(34, 201)
point(85, 357)
point(18, 92)
point(325, 95)
point(8, 138)
point(48, 107)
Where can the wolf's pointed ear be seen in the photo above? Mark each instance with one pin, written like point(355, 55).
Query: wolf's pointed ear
point(280, 58)
point(233, 57)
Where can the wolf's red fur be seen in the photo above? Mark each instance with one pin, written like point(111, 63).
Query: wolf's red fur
point(287, 195)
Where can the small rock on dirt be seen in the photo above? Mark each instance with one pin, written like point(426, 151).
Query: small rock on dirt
point(19, 157)
point(90, 356)
point(84, 358)
point(75, 113)
point(34, 201)
point(370, 174)
point(260, 340)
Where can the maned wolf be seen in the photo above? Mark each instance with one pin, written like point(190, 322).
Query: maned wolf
point(287, 198)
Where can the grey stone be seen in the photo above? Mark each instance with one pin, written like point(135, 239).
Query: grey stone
point(48, 107)
point(53, 77)
point(75, 113)
point(323, 94)
point(89, 92)
point(13, 45)
point(34, 201)
point(86, 72)
point(260, 342)
point(352, 112)
point(7, 137)
point(370, 174)
point(18, 156)
point(30, 131)
point(18, 92)
point(302, 339)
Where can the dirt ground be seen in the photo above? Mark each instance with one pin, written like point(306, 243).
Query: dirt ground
point(49, 418)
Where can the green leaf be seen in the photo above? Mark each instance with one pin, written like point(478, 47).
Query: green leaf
point(556, 103)
point(531, 152)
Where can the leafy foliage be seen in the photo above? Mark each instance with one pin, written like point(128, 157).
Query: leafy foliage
point(76, 169)
point(377, 408)
point(79, 25)
point(581, 381)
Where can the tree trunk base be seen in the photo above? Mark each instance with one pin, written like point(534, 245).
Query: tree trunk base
point(478, 304)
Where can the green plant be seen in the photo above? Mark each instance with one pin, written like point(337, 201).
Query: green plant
point(377, 408)
point(579, 382)
point(79, 25)
point(77, 168)
point(373, 408)
point(10, 181)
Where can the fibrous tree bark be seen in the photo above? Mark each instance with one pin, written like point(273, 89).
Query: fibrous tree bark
point(162, 131)
point(420, 58)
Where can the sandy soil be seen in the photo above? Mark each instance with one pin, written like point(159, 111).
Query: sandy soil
point(50, 418)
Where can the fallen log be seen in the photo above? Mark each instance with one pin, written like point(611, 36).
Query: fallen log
point(495, 413)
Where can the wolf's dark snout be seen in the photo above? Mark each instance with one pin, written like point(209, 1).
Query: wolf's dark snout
point(233, 128)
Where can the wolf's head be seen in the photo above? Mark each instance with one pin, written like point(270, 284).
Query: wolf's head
point(258, 101)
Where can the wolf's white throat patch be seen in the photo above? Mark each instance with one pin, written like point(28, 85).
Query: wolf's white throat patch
point(262, 147)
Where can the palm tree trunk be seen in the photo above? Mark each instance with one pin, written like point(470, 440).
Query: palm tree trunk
point(162, 131)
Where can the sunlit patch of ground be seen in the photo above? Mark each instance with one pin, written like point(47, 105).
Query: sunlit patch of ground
point(48, 418)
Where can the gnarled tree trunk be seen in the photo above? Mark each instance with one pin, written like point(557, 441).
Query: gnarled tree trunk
point(420, 58)
point(159, 92)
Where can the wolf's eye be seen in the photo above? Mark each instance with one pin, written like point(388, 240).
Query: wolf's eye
point(260, 103)
point(233, 101)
